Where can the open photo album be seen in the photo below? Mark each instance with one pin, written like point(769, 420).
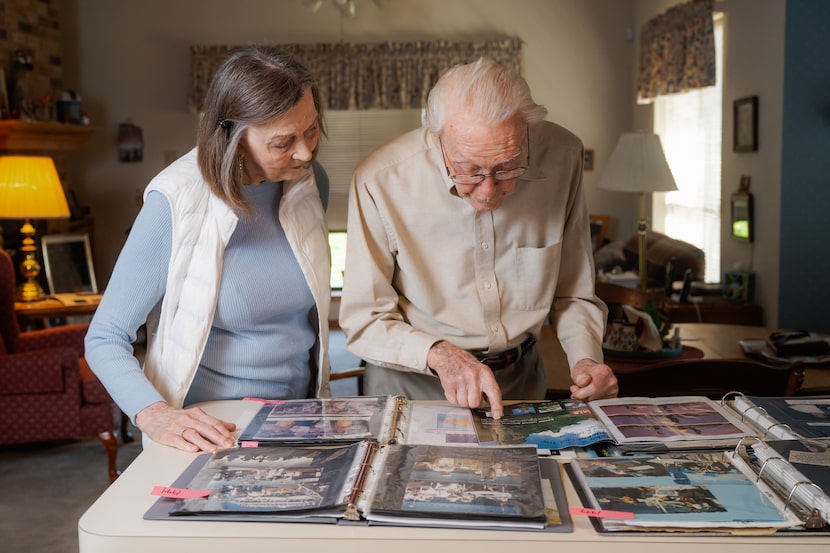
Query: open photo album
point(631, 424)
point(324, 421)
point(369, 483)
point(685, 463)
point(707, 492)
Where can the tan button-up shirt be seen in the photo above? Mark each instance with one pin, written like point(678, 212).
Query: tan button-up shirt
point(422, 265)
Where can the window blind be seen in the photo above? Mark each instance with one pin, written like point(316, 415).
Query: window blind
point(352, 135)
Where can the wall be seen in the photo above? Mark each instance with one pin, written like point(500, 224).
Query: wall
point(755, 31)
point(805, 186)
point(131, 61)
point(753, 65)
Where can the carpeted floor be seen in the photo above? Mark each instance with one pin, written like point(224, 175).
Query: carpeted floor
point(47, 487)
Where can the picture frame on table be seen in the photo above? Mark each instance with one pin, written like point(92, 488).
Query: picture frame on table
point(745, 113)
point(67, 260)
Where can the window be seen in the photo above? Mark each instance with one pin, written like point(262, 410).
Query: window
point(689, 125)
point(337, 245)
point(352, 135)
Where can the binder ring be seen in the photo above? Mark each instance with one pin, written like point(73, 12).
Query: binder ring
point(740, 443)
point(750, 408)
point(728, 394)
point(760, 472)
point(770, 427)
point(796, 485)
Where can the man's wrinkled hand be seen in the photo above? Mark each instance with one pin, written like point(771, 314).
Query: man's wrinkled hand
point(593, 380)
point(464, 378)
point(186, 429)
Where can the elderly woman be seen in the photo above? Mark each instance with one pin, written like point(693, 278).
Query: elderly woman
point(227, 263)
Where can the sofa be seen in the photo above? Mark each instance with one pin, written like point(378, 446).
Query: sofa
point(617, 256)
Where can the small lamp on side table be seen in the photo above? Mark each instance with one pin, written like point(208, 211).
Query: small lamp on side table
point(30, 189)
point(638, 164)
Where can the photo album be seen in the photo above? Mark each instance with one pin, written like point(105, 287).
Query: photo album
point(508, 488)
point(686, 463)
point(368, 460)
point(631, 424)
point(712, 492)
point(324, 421)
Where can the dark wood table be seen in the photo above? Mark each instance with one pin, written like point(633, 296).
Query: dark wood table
point(700, 341)
point(30, 314)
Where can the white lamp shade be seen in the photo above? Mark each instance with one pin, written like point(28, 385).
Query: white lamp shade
point(30, 189)
point(637, 164)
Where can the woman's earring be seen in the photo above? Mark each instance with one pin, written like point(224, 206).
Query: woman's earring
point(241, 167)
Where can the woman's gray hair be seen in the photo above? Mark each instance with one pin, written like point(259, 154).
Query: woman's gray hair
point(490, 91)
point(252, 86)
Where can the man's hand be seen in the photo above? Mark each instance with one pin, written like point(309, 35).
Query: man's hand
point(187, 429)
point(593, 380)
point(464, 379)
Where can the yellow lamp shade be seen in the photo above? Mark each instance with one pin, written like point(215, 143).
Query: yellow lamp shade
point(30, 189)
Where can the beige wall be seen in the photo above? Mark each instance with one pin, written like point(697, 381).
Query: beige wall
point(753, 65)
point(130, 60)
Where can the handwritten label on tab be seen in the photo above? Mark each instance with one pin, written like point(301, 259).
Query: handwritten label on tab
point(178, 493)
point(599, 513)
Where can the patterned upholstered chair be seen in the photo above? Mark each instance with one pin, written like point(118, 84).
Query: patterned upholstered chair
point(47, 391)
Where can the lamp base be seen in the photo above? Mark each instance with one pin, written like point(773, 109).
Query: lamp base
point(30, 291)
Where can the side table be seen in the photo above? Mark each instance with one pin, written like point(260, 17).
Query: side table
point(30, 313)
point(716, 311)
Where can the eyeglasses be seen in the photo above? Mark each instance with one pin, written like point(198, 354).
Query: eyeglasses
point(507, 174)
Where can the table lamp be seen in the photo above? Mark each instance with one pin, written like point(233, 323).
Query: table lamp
point(30, 189)
point(638, 164)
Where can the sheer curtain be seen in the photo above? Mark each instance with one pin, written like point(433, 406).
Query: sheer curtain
point(689, 125)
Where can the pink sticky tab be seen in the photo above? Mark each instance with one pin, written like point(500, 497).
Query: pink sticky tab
point(584, 511)
point(265, 401)
point(178, 493)
point(249, 443)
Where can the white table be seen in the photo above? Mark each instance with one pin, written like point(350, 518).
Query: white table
point(114, 523)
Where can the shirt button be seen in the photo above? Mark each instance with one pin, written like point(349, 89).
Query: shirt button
point(486, 285)
point(485, 246)
point(494, 329)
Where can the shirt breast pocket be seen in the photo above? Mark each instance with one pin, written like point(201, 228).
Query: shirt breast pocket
point(537, 276)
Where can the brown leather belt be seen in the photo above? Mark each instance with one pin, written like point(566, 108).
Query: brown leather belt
point(499, 361)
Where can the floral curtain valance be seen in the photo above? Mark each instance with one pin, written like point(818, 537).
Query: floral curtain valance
point(390, 75)
point(677, 51)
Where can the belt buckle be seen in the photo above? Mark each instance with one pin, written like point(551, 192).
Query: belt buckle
point(490, 358)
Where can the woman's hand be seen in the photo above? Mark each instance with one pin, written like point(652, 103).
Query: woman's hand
point(186, 429)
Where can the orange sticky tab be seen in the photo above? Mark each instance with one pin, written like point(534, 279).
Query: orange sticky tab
point(599, 513)
point(178, 493)
point(249, 443)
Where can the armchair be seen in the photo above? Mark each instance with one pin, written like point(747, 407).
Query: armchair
point(47, 391)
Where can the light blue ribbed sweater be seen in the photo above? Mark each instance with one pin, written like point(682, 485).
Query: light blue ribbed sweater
point(260, 338)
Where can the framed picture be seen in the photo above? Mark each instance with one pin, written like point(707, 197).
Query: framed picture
point(738, 285)
point(746, 124)
point(741, 204)
point(67, 261)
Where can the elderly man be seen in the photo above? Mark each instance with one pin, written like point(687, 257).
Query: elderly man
point(464, 237)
